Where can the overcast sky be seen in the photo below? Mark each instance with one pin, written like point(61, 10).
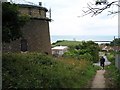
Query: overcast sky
point(66, 21)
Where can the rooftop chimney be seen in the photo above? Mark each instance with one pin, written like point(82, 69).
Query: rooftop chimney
point(40, 3)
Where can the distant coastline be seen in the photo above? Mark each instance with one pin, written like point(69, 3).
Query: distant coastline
point(55, 38)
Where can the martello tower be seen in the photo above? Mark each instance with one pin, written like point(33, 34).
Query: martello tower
point(36, 36)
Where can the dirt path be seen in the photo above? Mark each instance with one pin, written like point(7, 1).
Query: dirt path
point(99, 80)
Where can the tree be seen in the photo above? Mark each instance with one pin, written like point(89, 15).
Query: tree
point(87, 50)
point(115, 42)
point(95, 10)
point(12, 22)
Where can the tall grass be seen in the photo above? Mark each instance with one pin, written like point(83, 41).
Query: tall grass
point(112, 73)
point(34, 70)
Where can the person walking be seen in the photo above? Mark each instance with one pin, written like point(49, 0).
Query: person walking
point(102, 62)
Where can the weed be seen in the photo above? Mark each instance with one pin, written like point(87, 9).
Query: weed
point(34, 70)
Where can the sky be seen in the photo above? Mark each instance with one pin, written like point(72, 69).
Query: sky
point(66, 21)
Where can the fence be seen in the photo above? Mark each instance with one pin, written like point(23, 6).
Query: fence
point(117, 61)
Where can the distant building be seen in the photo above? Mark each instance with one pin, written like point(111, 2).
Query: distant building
point(36, 36)
point(59, 50)
point(107, 48)
point(116, 48)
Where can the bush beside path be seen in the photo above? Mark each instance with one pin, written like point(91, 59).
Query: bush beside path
point(99, 79)
point(34, 70)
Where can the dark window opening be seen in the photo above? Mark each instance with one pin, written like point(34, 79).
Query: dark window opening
point(30, 11)
point(24, 45)
point(39, 12)
point(46, 53)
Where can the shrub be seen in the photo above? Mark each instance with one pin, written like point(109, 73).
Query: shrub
point(112, 73)
point(86, 50)
point(34, 70)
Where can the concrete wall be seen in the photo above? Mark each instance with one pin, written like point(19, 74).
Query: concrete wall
point(117, 61)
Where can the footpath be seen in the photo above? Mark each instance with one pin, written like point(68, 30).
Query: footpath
point(99, 80)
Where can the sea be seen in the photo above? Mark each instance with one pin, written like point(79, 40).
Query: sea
point(55, 38)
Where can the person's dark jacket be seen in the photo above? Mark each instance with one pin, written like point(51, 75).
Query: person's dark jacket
point(102, 60)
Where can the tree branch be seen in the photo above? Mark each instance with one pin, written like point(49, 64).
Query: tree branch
point(95, 11)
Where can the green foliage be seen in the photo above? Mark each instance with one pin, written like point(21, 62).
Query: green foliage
point(85, 50)
point(12, 22)
point(115, 42)
point(111, 57)
point(113, 76)
point(66, 43)
point(34, 70)
point(112, 73)
point(87, 56)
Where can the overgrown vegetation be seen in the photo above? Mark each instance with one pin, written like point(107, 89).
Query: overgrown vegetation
point(112, 73)
point(81, 50)
point(115, 42)
point(66, 43)
point(34, 70)
point(12, 22)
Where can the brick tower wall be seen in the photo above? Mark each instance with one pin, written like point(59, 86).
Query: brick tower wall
point(35, 32)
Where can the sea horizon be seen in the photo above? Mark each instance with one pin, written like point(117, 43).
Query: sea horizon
point(55, 38)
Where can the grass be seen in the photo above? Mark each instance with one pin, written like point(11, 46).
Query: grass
point(113, 77)
point(112, 74)
point(34, 70)
point(66, 43)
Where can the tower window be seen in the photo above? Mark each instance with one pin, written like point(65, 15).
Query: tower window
point(30, 11)
point(24, 45)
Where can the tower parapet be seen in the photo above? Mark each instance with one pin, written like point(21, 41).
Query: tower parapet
point(33, 11)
